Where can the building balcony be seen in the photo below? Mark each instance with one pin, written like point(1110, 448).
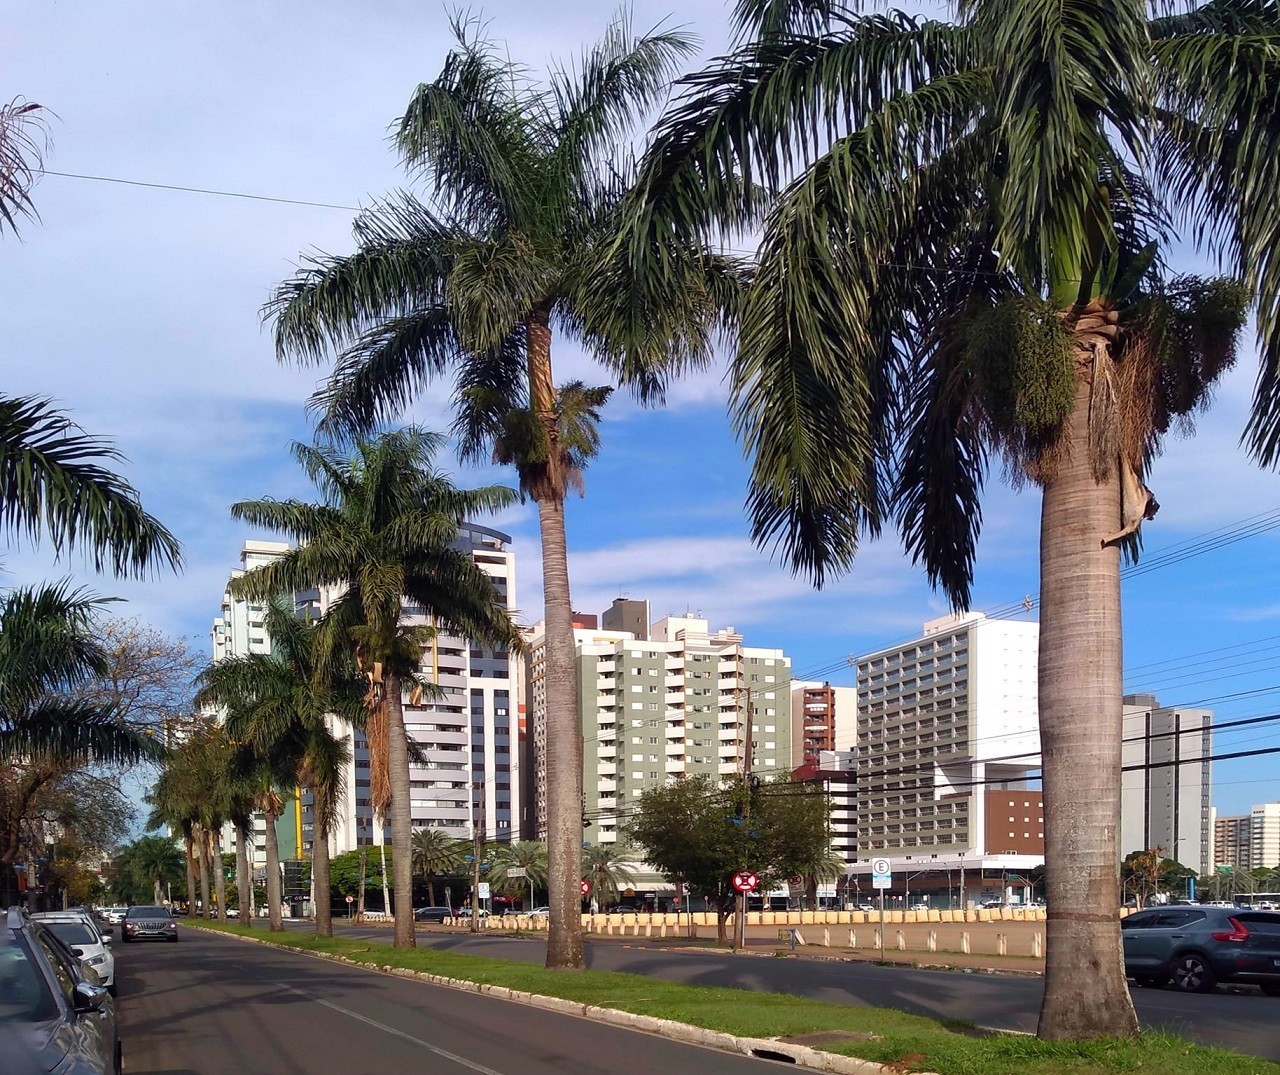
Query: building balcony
point(675, 765)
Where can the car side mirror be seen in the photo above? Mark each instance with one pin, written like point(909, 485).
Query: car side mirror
point(87, 997)
point(106, 938)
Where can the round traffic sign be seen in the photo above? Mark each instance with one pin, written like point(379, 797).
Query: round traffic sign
point(880, 866)
point(745, 881)
point(351, 899)
point(797, 880)
point(586, 888)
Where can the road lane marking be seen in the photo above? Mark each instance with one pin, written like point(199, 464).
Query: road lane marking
point(443, 1053)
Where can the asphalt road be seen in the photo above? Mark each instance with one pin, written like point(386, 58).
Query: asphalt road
point(210, 1005)
point(1245, 1021)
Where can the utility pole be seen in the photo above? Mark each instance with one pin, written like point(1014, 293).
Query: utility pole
point(740, 927)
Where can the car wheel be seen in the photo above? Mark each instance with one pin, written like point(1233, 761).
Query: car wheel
point(112, 989)
point(1151, 981)
point(119, 1065)
point(174, 940)
point(1272, 989)
point(1192, 974)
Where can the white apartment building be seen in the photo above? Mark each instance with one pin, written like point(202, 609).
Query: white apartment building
point(470, 776)
point(948, 751)
point(238, 631)
point(654, 708)
point(1167, 785)
point(1264, 836)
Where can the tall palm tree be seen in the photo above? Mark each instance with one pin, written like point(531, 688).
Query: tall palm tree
point(384, 534)
point(434, 853)
point(525, 184)
point(280, 706)
point(23, 138)
point(964, 226)
point(605, 868)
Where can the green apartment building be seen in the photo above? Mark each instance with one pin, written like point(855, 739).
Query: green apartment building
point(659, 702)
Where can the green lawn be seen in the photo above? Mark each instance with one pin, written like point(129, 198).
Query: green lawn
point(911, 1043)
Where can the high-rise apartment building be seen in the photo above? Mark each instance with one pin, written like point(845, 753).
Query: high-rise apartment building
point(823, 718)
point(1231, 841)
point(469, 736)
point(679, 701)
point(948, 749)
point(238, 631)
point(1167, 786)
point(836, 772)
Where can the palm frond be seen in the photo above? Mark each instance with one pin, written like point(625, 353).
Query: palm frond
point(75, 732)
point(403, 259)
point(53, 483)
point(23, 138)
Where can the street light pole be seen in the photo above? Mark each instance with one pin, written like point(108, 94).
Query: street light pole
point(964, 906)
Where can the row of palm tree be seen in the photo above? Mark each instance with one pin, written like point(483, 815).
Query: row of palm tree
point(964, 231)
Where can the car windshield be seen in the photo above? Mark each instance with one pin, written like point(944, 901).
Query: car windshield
point(147, 912)
point(24, 994)
point(72, 932)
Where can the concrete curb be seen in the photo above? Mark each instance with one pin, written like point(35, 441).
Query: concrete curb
point(762, 1048)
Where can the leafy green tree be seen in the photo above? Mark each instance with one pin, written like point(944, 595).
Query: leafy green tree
point(701, 834)
point(146, 867)
point(281, 705)
point(435, 853)
point(525, 184)
point(383, 535)
point(964, 228)
point(606, 869)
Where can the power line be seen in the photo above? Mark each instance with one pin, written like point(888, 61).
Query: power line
point(200, 190)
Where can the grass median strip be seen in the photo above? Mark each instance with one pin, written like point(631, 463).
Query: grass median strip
point(908, 1042)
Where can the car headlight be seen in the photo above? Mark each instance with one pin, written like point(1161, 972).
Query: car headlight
point(95, 961)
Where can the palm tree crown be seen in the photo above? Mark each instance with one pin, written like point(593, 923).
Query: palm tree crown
point(963, 259)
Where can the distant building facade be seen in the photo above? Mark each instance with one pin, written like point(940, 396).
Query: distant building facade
point(1167, 785)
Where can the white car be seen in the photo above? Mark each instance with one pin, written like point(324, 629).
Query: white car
point(79, 933)
point(113, 916)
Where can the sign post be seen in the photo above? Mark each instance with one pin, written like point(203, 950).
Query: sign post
point(744, 881)
point(350, 901)
point(881, 879)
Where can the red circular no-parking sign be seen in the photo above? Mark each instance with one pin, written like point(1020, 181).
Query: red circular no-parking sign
point(351, 899)
point(586, 888)
point(745, 881)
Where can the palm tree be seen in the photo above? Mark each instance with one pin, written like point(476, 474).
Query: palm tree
point(963, 225)
point(525, 185)
point(385, 534)
point(151, 860)
point(279, 705)
point(48, 644)
point(435, 852)
point(518, 867)
point(23, 138)
point(606, 870)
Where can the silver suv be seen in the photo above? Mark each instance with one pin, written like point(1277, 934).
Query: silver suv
point(1194, 948)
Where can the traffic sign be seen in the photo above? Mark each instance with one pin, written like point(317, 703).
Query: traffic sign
point(483, 890)
point(517, 871)
point(351, 899)
point(881, 873)
point(746, 881)
point(586, 888)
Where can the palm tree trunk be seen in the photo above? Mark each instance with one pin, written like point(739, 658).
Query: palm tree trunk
point(244, 876)
point(431, 890)
point(564, 748)
point(189, 847)
point(157, 897)
point(401, 814)
point(320, 871)
point(202, 861)
point(219, 877)
point(275, 919)
point(1081, 685)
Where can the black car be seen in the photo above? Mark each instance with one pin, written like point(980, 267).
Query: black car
point(147, 922)
point(55, 1018)
point(1194, 948)
point(432, 914)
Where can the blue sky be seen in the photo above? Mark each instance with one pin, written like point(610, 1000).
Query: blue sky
point(137, 309)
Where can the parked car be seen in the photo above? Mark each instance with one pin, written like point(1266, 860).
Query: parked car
point(544, 911)
point(465, 912)
point(77, 931)
point(146, 921)
point(55, 1016)
point(432, 914)
point(1194, 948)
point(112, 915)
